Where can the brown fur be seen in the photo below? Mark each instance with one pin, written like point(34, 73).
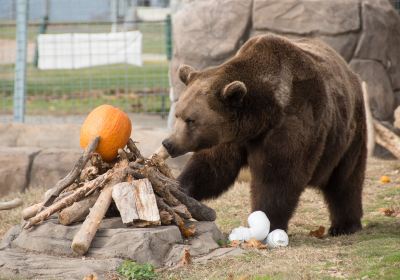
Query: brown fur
point(293, 112)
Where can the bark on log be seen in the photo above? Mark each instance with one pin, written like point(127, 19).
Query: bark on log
point(145, 201)
point(387, 139)
point(78, 211)
point(73, 174)
point(7, 205)
point(83, 238)
point(165, 217)
point(124, 199)
point(69, 200)
point(31, 211)
point(199, 211)
point(112, 176)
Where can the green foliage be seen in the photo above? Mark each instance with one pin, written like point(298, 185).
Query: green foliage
point(223, 242)
point(133, 271)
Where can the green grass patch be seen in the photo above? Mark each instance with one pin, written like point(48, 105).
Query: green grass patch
point(133, 271)
point(135, 89)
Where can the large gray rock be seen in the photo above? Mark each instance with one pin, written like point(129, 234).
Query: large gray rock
point(50, 165)
point(381, 97)
point(15, 165)
point(21, 264)
point(51, 242)
point(380, 37)
point(356, 29)
point(207, 32)
point(306, 17)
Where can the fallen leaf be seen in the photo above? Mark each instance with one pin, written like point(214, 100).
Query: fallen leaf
point(186, 258)
point(390, 212)
point(235, 243)
point(92, 276)
point(253, 243)
point(385, 179)
point(318, 233)
point(188, 231)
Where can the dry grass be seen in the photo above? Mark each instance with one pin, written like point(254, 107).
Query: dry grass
point(374, 253)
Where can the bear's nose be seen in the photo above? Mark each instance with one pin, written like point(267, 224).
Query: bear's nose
point(167, 144)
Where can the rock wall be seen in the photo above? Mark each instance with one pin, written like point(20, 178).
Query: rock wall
point(365, 32)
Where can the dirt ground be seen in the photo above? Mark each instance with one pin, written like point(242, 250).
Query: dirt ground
point(373, 253)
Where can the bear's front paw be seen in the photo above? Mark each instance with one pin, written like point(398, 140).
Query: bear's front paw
point(344, 229)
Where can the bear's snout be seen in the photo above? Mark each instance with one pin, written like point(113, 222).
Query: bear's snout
point(170, 147)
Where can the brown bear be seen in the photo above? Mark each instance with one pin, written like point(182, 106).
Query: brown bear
point(290, 110)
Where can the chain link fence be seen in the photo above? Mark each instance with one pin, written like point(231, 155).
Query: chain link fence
point(107, 54)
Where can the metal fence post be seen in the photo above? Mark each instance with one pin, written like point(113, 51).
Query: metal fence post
point(20, 63)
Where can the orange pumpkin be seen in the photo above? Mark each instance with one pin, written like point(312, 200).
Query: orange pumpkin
point(112, 125)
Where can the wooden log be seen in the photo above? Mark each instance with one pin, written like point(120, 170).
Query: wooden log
point(165, 217)
point(7, 205)
point(199, 211)
point(31, 211)
point(78, 211)
point(164, 206)
point(124, 199)
point(182, 211)
point(387, 139)
point(145, 200)
point(77, 195)
point(83, 238)
point(112, 176)
point(73, 174)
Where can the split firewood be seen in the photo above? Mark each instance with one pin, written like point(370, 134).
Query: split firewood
point(83, 238)
point(161, 183)
point(74, 174)
point(387, 139)
point(7, 205)
point(123, 197)
point(78, 211)
point(145, 201)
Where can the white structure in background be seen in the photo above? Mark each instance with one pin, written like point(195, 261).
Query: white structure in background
point(79, 50)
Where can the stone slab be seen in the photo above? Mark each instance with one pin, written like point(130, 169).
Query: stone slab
point(381, 97)
point(50, 242)
point(15, 164)
point(306, 17)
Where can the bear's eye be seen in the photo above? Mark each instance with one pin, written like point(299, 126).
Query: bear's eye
point(189, 121)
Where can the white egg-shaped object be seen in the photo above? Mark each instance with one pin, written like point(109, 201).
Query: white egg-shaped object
point(277, 238)
point(258, 228)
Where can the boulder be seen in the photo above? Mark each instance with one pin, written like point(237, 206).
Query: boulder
point(306, 17)
point(15, 165)
point(51, 165)
point(381, 97)
point(50, 243)
point(202, 37)
point(380, 37)
point(356, 29)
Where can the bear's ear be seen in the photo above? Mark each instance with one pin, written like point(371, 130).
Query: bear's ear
point(185, 73)
point(234, 92)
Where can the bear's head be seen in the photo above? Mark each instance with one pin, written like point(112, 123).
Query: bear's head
point(244, 97)
point(205, 110)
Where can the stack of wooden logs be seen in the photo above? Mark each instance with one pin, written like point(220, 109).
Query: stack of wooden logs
point(143, 190)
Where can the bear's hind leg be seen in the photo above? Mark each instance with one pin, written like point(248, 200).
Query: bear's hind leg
point(343, 193)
